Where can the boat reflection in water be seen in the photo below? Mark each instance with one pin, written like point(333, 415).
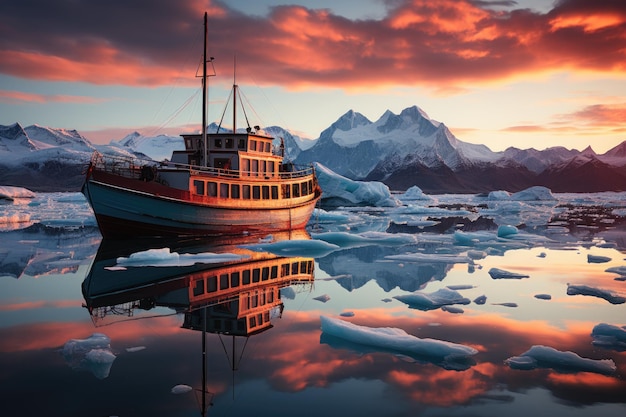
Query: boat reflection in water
point(219, 285)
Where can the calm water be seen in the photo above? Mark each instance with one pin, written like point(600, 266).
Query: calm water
point(263, 350)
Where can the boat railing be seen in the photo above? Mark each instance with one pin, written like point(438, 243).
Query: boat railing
point(140, 168)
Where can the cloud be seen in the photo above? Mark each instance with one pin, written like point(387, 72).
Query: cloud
point(15, 97)
point(444, 45)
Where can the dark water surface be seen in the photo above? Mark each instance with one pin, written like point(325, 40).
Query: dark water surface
point(84, 332)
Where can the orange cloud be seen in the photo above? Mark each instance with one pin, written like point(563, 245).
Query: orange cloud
point(13, 97)
point(439, 45)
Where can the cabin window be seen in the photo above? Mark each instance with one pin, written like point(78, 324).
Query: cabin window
point(266, 274)
point(224, 190)
point(223, 281)
point(266, 192)
point(245, 277)
point(218, 142)
point(252, 322)
point(199, 187)
point(241, 144)
point(234, 279)
point(229, 143)
point(198, 289)
point(255, 168)
point(268, 147)
point(274, 272)
point(246, 166)
point(234, 191)
point(286, 191)
point(294, 268)
point(188, 143)
point(211, 189)
point(270, 167)
point(254, 300)
point(303, 267)
point(310, 186)
point(263, 167)
point(274, 192)
point(284, 270)
point(253, 145)
point(295, 190)
point(270, 297)
point(305, 188)
point(256, 192)
point(246, 192)
point(211, 284)
point(256, 275)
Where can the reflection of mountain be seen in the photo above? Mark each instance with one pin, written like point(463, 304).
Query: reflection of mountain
point(240, 294)
point(360, 265)
point(40, 250)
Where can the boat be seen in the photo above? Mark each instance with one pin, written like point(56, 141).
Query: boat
point(222, 183)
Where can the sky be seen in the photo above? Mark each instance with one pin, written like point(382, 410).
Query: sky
point(525, 73)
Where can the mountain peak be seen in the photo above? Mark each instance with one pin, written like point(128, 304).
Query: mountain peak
point(350, 120)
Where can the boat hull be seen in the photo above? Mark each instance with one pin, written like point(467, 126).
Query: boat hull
point(122, 211)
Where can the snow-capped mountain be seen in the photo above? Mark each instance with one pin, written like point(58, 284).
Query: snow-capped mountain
point(400, 150)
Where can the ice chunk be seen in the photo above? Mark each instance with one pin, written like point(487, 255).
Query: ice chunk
point(10, 193)
point(539, 356)
point(347, 314)
point(432, 301)
point(497, 273)
point(297, 247)
point(164, 257)
point(536, 193)
point(609, 336)
point(415, 193)
point(344, 191)
point(620, 270)
point(398, 341)
point(323, 298)
point(181, 389)
point(507, 230)
point(513, 305)
point(431, 258)
point(543, 296)
point(499, 195)
point(92, 354)
point(595, 292)
point(596, 259)
point(481, 299)
point(453, 310)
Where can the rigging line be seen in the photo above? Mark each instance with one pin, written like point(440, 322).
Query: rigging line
point(243, 108)
point(224, 112)
point(176, 113)
point(249, 104)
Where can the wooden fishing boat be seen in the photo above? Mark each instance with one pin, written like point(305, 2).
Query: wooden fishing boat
point(222, 183)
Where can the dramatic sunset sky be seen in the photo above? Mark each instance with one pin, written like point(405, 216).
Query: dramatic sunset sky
point(524, 73)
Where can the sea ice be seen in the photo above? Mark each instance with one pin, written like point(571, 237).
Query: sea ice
point(609, 336)
point(92, 354)
point(595, 292)
point(434, 300)
point(415, 193)
point(539, 356)
point(453, 310)
point(431, 258)
point(398, 341)
point(480, 300)
point(297, 247)
point(10, 193)
point(543, 296)
point(597, 259)
point(536, 193)
point(620, 270)
point(497, 273)
point(507, 230)
point(323, 298)
point(181, 389)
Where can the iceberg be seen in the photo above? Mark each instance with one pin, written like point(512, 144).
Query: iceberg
point(164, 257)
point(539, 356)
point(415, 193)
point(338, 190)
point(497, 273)
point(595, 292)
point(92, 354)
point(393, 340)
point(180, 389)
point(433, 300)
point(11, 193)
point(536, 193)
point(609, 336)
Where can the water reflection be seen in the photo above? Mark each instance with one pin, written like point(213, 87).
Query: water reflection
point(230, 291)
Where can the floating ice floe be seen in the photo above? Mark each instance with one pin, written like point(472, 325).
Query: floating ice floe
point(543, 296)
point(92, 354)
point(609, 336)
point(453, 310)
point(351, 240)
point(11, 193)
point(415, 193)
point(480, 300)
point(432, 301)
point(323, 298)
point(180, 389)
point(597, 259)
point(341, 191)
point(620, 270)
point(539, 356)
point(393, 340)
point(164, 257)
point(298, 247)
point(536, 193)
point(497, 273)
point(607, 295)
point(512, 305)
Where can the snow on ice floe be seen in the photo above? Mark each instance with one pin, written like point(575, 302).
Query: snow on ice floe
point(393, 340)
point(341, 191)
point(92, 354)
point(164, 257)
point(539, 356)
point(298, 247)
point(609, 336)
point(432, 301)
point(607, 295)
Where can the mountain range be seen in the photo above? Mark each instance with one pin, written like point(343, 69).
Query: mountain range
point(400, 150)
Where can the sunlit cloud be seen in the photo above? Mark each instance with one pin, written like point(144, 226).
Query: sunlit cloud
point(16, 97)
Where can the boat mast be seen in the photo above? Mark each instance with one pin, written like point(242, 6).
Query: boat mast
point(235, 95)
point(204, 95)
